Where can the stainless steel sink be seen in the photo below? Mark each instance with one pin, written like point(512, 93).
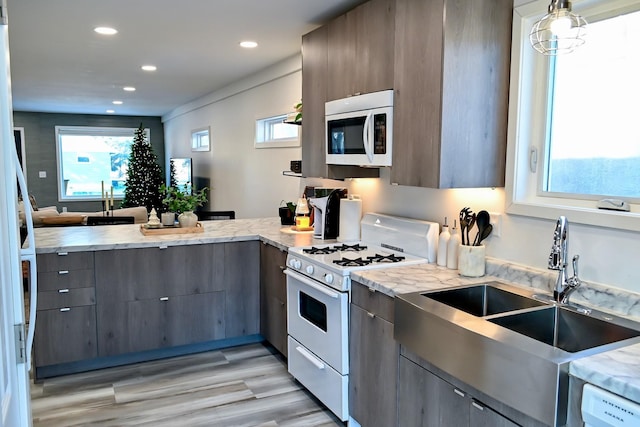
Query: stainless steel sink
point(503, 342)
point(565, 329)
point(483, 300)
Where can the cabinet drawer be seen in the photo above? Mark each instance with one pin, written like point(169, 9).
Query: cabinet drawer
point(65, 279)
point(65, 336)
point(372, 301)
point(66, 298)
point(65, 261)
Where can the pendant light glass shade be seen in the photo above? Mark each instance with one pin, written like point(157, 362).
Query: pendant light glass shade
point(559, 31)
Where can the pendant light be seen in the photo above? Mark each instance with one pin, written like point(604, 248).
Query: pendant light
point(559, 31)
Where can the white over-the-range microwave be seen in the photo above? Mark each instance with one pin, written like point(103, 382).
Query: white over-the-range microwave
point(359, 130)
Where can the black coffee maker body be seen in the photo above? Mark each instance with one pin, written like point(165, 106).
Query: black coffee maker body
point(326, 211)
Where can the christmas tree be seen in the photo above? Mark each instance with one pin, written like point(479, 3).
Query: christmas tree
point(144, 176)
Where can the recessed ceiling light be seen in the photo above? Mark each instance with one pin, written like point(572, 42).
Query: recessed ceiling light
point(111, 111)
point(129, 89)
point(149, 67)
point(248, 44)
point(106, 31)
point(117, 102)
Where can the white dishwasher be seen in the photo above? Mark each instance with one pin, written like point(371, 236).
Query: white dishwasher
point(601, 408)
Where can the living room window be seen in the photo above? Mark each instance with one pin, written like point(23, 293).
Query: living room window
point(90, 157)
point(273, 132)
point(574, 136)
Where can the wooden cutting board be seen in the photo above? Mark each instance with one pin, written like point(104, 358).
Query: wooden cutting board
point(171, 230)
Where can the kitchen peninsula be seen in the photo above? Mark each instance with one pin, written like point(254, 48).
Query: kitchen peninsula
point(215, 276)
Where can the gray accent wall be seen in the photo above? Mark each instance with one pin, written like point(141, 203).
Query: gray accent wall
point(40, 149)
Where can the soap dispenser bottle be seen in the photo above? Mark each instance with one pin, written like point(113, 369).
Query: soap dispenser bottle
point(443, 242)
point(452, 248)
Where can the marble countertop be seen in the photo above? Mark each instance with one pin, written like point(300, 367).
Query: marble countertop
point(107, 237)
point(617, 371)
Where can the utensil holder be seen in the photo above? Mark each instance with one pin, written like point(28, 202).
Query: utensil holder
point(471, 260)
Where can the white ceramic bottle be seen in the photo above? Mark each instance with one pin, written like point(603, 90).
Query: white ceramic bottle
point(452, 248)
point(443, 242)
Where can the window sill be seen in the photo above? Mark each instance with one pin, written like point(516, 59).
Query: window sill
point(578, 214)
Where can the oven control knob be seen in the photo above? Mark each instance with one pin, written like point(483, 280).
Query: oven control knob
point(295, 263)
point(309, 269)
point(328, 278)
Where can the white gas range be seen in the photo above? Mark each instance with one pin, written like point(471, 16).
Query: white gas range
point(318, 296)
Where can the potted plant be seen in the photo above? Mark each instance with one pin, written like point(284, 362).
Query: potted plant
point(183, 202)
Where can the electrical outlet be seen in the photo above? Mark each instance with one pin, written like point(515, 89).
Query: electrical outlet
point(42, 174)
point(496, 223)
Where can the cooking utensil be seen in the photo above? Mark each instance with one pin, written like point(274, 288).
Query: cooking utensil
point(465, 219)
point(485, 233)
point(483, 219)
point(472, 222)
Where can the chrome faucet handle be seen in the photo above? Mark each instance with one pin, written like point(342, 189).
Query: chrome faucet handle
point(574, 282)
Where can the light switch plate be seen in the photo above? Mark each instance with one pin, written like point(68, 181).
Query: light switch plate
point(42, 174)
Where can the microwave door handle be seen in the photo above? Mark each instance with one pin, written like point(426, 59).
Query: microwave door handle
point(366, 137)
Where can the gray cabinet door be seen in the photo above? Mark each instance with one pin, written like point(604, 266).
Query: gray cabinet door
point(273, 296)
point(483, 416)
point(65, 335)
point(360, 50)
point(373, 369)
point(451, 93)
point(242, 285)
point(426, 400)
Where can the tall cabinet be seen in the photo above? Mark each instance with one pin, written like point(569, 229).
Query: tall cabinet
point(451, 82)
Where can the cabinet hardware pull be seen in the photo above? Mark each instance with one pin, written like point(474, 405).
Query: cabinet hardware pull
point(63, 253)
point(61, 272)
point(282, 267)
point(458, 392)
point(164, 299)
point(162, 247)
point(371, 290)
point(317, 363)
point(63, 291)
point(65, 309)
point(477, 405)
point(371, 315)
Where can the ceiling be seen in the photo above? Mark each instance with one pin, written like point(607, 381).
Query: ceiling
point(59, 64)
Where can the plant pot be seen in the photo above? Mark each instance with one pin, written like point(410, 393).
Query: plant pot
point(168, 218)
point(187, 219)
point(471, 260)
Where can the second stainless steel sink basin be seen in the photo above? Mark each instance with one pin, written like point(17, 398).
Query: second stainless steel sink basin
point(565, 329)
point(483, 300)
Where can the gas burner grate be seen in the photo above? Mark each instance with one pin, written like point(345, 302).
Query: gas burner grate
point(346, 262)
point(353, 248)
point(385, 258)
point(319, 251)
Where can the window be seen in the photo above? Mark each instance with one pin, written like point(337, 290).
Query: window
point(273, 132)
point(200, 140)
point(574, 133)
point(89, 157)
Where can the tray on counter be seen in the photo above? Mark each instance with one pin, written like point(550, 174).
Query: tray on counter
point(157, 231)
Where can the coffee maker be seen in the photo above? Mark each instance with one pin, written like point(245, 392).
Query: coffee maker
point(326, 211)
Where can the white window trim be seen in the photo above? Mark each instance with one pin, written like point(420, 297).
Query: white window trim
point(526, 128)
point(274, 143)
point(197, 140)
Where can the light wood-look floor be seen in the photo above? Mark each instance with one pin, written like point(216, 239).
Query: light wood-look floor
point(241, 386)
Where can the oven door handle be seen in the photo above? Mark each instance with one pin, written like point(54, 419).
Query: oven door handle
point(310, 357)
point(312, 284)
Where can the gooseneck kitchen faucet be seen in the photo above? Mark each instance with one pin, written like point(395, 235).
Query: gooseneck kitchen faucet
point(558, 261)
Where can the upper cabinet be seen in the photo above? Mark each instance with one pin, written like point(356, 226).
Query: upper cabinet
point(314, 94)
point(448, 63)
point(360, 50)
point(451, 81)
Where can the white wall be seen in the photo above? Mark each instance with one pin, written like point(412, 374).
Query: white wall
point(243, 178)
point(607, 256)
point(250, 181)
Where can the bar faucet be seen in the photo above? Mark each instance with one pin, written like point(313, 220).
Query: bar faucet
point(558, 261)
